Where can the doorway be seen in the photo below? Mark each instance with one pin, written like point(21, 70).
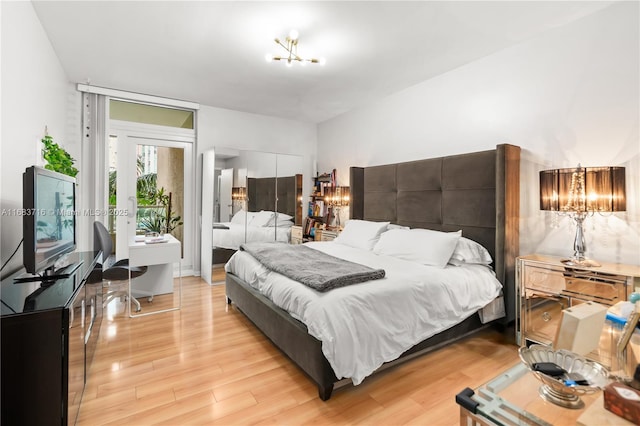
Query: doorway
point(149, 181)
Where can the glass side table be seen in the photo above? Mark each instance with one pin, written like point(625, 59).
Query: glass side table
point(512, 398)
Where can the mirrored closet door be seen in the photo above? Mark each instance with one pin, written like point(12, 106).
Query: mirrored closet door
point(256, 196)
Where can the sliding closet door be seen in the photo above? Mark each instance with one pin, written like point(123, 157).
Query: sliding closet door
point(261, 181)
point(256, 185)
point(225, 201)
point(290, 174)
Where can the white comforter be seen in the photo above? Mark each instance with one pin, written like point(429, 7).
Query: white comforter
point(234, 236)
point(364, 325)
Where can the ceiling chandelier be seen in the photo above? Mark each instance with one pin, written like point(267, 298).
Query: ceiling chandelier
point(291, 47)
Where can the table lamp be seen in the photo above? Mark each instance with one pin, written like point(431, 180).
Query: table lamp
point(580, 192)
point(339, 198)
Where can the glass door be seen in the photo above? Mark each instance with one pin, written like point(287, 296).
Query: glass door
point(152, 188)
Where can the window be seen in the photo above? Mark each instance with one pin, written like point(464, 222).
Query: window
point(150, 114)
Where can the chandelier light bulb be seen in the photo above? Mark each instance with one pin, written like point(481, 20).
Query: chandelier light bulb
point(268, 57)
point(293, 35)
point(289, 63)
point(322, 61)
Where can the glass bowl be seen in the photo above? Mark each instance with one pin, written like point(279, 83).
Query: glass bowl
point(554, 389)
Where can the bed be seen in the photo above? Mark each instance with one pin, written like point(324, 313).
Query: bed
point(477, 193)
point(269, 195)
point(229, 235)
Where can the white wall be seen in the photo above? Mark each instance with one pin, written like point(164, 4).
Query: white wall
point(35, 94)
point(219, 127)
point(225, 128)
point(240, 130)
point(568, 96)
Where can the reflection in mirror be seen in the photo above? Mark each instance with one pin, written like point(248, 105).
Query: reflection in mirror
point(162, 298)
point(289, 173)
point(155, 290)
point(261, 197)
point(265, 199)
point(225, 196)
point(229, 187)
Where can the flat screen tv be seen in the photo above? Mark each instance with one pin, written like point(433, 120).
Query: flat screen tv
point(49, 219)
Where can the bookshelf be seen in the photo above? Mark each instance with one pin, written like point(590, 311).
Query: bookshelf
point(324, 202)
point(319, 208)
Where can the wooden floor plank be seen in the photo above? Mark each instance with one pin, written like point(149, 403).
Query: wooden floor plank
point(208, 364)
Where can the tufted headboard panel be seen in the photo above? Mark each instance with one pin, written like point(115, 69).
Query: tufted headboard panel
point(477, 193)
point(262, 194)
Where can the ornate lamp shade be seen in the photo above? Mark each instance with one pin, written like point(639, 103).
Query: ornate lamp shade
point(238, 193)
point(583, 189)
point(579, 192)
point(342, 196)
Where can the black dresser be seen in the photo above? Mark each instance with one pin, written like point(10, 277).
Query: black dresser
point(49, 334)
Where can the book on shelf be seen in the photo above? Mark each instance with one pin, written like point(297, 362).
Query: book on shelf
point(310, 225)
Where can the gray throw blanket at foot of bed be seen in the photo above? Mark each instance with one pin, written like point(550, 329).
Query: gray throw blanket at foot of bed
point(312, 268)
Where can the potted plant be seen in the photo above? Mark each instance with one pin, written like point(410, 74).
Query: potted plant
point(58, 159)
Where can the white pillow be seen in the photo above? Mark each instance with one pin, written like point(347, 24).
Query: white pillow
point(282, 223)
point(361, 233)
point(469, 251)
point(261, 218)
point(281, 217)
point(423, 246)
point(241, 217)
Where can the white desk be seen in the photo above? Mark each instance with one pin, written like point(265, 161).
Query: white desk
point(159, 259)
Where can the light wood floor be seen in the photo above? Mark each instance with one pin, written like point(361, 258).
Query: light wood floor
point(208, 364)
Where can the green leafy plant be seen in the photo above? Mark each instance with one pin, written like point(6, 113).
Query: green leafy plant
point(155, 212)
point(158, 216)
point(58, 159)
point(145, 185)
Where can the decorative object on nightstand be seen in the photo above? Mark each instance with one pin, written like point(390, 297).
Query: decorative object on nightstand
point(580, 328)
point(624, 359)
point(580, 192)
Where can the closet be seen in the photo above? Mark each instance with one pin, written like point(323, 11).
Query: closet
point(238, 184)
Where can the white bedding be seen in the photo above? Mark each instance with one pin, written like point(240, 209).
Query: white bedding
point(364, 325)
point(234, 236)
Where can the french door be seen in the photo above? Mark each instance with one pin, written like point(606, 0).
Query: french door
point(153, 188)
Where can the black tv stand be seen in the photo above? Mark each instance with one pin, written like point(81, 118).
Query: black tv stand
point(48, 336)
point(50, 275)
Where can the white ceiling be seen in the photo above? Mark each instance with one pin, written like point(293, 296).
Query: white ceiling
point(213, 52)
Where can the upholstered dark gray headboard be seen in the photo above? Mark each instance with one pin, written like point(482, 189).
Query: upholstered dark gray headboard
point(262, 194)
point(478, 193)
